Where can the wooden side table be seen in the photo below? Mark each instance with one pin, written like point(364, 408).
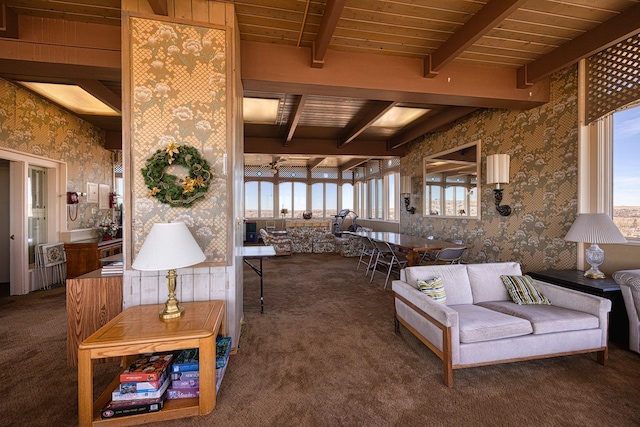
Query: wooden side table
point(606, 288)
point(138, 330)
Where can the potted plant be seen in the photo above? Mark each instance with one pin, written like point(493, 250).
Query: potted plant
point(108, 228)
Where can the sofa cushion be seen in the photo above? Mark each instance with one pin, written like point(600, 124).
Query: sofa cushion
point(454, 277)
point(482, 324)
point(433, 288)
point(523, 290)
point(546, 319)
point(485, 280)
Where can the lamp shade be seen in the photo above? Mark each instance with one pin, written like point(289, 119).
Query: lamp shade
point(405, 185)
point(498, 169)
point(594, 228)
point(168, 246)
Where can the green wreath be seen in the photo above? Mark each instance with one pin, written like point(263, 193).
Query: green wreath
point(169, 188)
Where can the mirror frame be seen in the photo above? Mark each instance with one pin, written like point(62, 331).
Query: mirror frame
point(429, 159)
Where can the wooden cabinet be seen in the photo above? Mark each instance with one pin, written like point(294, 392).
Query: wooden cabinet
point(92, 300)
point(84, 256)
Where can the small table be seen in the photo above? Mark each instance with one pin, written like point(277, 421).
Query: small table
point(138, 330)
point(258, 252)
point(606, 288)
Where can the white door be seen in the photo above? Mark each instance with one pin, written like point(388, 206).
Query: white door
point(5, 259)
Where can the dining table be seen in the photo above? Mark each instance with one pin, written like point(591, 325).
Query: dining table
point(414, 245)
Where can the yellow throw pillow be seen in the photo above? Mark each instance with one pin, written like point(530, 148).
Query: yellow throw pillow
point(433, 288)
point(523, 290)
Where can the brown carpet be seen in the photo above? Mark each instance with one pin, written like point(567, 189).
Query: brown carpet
point(324, 354)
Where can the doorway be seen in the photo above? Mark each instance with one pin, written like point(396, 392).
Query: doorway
point(5, 258)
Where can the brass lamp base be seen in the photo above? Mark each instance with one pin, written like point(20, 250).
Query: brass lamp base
point(172, 308)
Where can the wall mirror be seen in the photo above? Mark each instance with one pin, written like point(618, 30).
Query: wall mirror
point(450, 182)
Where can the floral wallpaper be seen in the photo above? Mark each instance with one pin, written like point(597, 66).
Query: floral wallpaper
point(179, 99)
point(33, 125)
point(543, 187)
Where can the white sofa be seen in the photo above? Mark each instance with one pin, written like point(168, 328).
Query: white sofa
point(479, 324)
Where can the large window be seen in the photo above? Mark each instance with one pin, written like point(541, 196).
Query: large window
point(258, 199)
point(626, 176)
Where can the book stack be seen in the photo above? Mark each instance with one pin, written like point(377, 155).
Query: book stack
point(185, 373)
point(142, 387)
point(114, 268)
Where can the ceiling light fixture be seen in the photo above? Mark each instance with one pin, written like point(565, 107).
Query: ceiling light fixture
point(260, 110)
point(399, 117)
point(71, 97)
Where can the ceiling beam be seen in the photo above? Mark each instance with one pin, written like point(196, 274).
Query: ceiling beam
point(268, 67)
point(353, 163)
point(332, 11)
point(313, 163)
point(477, 26)
point(159, 7)
point(8, 22)
point(319, 147)
point(103, 93)
point(296, 119)
point(428, 124)
point(593, 41)
point(377, 110)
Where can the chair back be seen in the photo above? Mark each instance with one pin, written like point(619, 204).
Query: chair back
point(456, 241)
point(450, 255)
point(367, 242)
point(384, 248)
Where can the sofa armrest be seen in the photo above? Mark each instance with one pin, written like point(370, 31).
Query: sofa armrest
point(442, 314)
point(575, 300)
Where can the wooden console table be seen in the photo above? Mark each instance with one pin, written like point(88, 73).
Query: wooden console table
point(84, 256)
point(606, 288)
point(138, 330)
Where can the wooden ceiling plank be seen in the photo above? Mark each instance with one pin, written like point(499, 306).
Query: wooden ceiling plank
point(319, 147)
point(103, 93)
point(8, 22)
point(429, 124)
point(299, 108)
point(599, 38)
point(159, 7)
point(377, 110)
point(353, 163)
point(330, 17)
point(478, 25)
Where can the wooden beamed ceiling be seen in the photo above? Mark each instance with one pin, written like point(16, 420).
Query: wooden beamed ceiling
point(338, 65)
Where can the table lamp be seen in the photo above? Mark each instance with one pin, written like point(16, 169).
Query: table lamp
point(594, 228)
point(169, 246)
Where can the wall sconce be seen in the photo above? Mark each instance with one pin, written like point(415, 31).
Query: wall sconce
point(498, 173)
point(405, 191)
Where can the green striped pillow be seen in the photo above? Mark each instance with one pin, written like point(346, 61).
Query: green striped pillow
point(433, 288)
point(523, 290)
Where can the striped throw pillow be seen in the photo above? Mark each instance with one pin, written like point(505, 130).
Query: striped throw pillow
point(523, 290)
point(433, 288)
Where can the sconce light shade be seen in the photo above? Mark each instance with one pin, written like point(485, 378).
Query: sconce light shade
point(405, 185)
point(498, 169)
point(594, 228)
point(167, 247)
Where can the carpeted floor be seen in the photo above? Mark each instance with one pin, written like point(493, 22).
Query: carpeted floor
point(324, 354)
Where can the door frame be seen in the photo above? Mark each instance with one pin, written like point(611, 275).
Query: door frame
point(19, 277)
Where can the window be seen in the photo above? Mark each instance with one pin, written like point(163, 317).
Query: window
point(347, 197)
point(293, 197)
point(324, 200)
point(36, 209)
point(626, 177)
point(258, 207)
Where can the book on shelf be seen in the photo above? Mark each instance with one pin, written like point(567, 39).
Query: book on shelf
point(182, 393)
point(144, 386)
point(147, 368)
point(185, 375)
point(223, 349)
point(186, 360)
point(190, 383)
point(117, 395)
point(131, 407)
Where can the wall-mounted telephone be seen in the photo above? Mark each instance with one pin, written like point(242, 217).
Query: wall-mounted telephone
point(72, 198)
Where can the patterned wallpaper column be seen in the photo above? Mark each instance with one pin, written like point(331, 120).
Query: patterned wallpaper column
point(179, 75)
point(543, 188)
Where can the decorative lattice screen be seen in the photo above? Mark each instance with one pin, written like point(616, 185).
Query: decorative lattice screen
point(613, 78)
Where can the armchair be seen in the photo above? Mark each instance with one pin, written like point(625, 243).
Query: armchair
point(629, 281)
point(281, 244)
